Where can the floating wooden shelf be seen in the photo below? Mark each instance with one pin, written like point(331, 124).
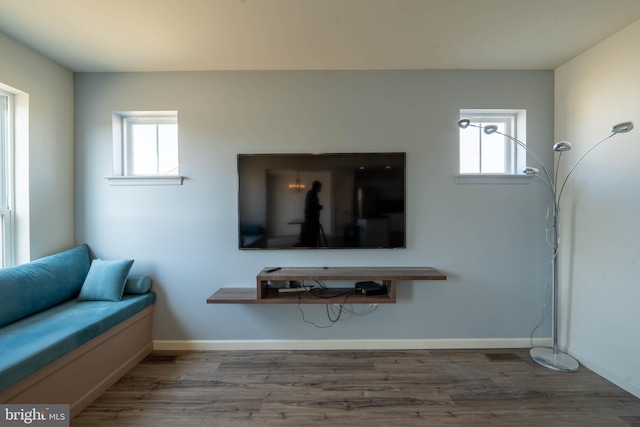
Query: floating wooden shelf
point(233, 296)
point(264, 293)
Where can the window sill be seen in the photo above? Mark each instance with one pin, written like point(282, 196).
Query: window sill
point(144, 180)
point(493, 179)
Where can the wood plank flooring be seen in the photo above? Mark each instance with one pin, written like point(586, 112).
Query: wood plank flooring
point(357, 388)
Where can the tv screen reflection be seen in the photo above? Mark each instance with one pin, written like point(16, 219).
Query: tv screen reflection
point(312, 201)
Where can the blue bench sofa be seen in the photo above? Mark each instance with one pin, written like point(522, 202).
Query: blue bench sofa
point(70, 328)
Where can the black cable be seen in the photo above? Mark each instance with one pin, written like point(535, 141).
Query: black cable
point(309, 321)
point(329, 315)
point(333, 321)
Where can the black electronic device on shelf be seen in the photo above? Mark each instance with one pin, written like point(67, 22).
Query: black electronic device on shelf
point(370, 288)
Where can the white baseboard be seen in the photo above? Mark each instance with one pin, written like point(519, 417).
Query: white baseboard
point(408, 344)
point(606, 373)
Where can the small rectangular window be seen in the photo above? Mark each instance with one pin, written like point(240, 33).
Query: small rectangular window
point(151, 145)
point(145, 148)
point(492, 154)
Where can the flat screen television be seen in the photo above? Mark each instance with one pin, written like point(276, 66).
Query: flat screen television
point(312, 201)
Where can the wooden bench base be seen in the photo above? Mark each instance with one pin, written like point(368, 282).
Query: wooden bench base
point(82, 375)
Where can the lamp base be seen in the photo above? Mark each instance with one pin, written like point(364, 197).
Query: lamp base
point(552, 360)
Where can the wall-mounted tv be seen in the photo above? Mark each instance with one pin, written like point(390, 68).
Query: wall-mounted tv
point(311, 201)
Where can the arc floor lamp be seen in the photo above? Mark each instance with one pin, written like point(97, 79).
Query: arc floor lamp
point(551, 357)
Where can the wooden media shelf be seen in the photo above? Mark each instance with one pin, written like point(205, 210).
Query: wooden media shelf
point(265, 293)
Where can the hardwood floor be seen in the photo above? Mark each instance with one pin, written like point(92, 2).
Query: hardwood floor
point(357, 388)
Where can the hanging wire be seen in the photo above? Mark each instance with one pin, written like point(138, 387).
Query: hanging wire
point(334, 311)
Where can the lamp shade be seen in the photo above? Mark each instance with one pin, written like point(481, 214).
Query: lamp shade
point(464, 123)
point(489, 129)
point(622, 127)
point(562, 146)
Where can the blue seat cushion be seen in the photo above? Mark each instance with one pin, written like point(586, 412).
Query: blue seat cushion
point(35, 341)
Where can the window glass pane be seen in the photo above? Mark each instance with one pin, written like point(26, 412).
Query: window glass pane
point(144, 149)
point(6, 179)
point(469, 150)
point(493, 151)
point(4, 138)
point(168, 149)
point(149, 145)
point(4, 142)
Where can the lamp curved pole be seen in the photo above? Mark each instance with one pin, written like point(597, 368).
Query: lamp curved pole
point(557, 167)
point(566, 178)
point(550, 187)
point(533, 154)
point(623, 127)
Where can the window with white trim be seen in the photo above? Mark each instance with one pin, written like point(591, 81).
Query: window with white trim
point(151, 145)
point(145, 148)
point(6, 178)
point(493, 154)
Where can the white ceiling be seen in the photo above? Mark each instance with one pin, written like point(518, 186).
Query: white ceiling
point(173, 35)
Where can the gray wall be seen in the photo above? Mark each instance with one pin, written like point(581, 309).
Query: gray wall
point(489, 239)
point(599, 256)
point(44, 150)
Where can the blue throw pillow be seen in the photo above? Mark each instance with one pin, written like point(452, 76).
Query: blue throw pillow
point(105, 280)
